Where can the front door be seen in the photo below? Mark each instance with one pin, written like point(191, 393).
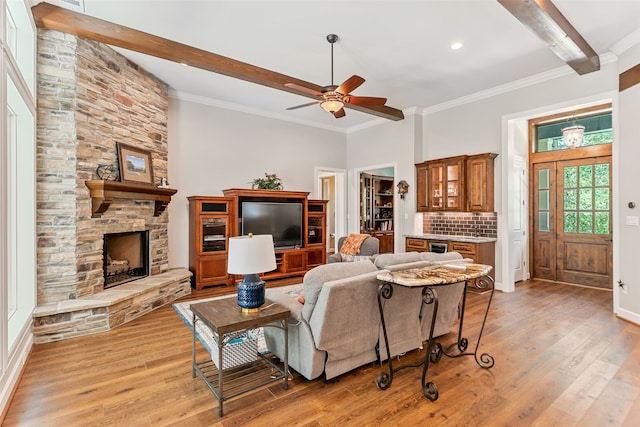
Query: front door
point(572, 221)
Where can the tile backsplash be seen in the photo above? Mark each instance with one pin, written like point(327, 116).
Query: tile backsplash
point(461, 224)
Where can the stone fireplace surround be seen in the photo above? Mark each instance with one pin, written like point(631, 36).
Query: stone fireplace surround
point(89, 98)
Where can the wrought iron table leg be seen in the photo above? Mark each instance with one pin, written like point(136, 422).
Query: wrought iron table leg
point(285, 328)
point(434, 349)
point(484, 360)
point(385, 290)
point(193, 348)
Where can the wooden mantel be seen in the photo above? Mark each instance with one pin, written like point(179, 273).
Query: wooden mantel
point(104, 192)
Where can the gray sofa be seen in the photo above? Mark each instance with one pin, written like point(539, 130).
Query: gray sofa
point(338, 327)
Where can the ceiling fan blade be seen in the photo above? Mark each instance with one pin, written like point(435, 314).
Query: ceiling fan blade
point(364, 100)
point(303, 105)
point(303, 89)
point(339, 113)
point(350, 84)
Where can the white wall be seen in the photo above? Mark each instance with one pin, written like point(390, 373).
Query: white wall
point(388, 143)
point(212, 149)
point(627, 240)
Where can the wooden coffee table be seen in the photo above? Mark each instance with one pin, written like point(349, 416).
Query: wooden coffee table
point(224, 318)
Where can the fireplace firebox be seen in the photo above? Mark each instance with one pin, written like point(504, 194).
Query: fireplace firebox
point(125, 257)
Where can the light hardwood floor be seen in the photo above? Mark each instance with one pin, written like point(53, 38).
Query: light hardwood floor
point(561, 358)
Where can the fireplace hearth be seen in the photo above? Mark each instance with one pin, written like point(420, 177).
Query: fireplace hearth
point(125, 257)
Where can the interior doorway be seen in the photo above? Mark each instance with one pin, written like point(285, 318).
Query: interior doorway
point(376, 206)
point(329, 193)
point(331, 186)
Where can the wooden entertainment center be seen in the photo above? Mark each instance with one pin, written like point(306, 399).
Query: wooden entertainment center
point(212, 220)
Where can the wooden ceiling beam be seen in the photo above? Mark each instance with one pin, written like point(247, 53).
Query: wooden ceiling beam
point(67, 21)
point(548, 23)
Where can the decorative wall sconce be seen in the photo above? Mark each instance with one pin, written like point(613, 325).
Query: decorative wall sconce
point(403, 188)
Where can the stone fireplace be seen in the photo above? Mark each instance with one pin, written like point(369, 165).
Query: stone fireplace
point(125, 257)
point(89, 98)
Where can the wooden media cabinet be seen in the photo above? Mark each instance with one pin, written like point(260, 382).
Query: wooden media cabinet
point(213, 220)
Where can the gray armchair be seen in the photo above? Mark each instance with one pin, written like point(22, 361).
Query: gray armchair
point(370, 246)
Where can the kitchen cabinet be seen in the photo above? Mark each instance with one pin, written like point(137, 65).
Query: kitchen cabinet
point(480, 183)
point(456, 184)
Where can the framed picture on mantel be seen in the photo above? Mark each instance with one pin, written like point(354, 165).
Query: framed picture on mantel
point(135, 164)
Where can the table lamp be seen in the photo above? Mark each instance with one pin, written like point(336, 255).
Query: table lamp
point(250, 255)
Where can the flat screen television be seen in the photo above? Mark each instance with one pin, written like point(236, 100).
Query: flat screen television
point(282, 220)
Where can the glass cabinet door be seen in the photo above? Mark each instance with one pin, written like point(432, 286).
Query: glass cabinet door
point(436, 184)
point(315, 230)
point(214, 234)
point(453, 186)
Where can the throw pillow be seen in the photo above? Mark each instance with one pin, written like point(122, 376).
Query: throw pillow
point(353, 258)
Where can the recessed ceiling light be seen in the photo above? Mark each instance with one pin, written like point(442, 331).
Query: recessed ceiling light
point(456, 46)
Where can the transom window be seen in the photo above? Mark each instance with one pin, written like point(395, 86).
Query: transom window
point(598, 130)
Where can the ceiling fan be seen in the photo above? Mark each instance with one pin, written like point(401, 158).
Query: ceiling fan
point(332, 98)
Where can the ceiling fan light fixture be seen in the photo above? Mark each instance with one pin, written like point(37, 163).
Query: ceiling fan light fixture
point(331, 105)
point(332, 102)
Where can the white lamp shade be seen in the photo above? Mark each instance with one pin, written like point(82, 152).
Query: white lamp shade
point(251, 254)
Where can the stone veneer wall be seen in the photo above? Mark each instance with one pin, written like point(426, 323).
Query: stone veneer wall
point(89, 98)
point(461, 224)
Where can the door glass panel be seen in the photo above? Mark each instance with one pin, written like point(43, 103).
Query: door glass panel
point(570, 200)
point(544, 195)
point(602, 223)
point(586, 199)
point(543, 200)
point(602, 199)
point(586, 222)
point(543, 221)
point(602, 175)
point(570, 177)
point(543, 179)
point(570, 222)
point(586, 176)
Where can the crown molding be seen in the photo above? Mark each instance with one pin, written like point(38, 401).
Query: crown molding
point(545, 76)
point(626, 43)
point(184, 96)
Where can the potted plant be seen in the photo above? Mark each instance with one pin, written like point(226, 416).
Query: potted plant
point(269, 182)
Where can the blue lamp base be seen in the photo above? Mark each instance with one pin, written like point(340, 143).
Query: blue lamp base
point(251, 293)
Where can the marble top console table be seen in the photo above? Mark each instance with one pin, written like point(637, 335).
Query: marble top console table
point(429, 279)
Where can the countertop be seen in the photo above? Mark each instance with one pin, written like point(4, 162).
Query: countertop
point(445, 237)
